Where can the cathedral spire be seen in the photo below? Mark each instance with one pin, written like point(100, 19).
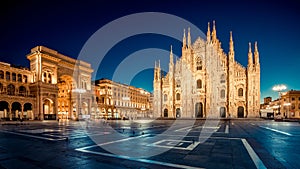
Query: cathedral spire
point(184, 39)
point(256, 54)
point(231, 47)
point(189, 38)
point(159, 64)
point(250, 60)
point(208, 36)
point(171, 56)
point(214, 32)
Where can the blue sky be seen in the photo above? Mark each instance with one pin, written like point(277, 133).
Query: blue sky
point(66, 25)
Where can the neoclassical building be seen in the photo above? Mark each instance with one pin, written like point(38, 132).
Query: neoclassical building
point(207, 82)
point(55, 86)
point(116, 100)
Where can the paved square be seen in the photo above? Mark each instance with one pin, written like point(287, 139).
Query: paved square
point(176, 144)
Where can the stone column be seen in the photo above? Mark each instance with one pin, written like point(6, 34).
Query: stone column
point(89, 106)
point(22, 111)
point(5, 113)
point(10, 113)
point(77, 107)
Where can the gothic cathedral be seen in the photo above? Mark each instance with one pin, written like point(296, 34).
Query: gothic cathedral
point(205, 82)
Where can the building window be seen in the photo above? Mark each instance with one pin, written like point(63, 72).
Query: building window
point(299, 106)
point(293, 106)
point(240, 92)
point(49, 78)
point(7, 75)
point(222, 79)
point(299, 98)
point(1, 88)
point(1, 74)
point(14, 77)
point(177, 96)
point(293, 98)
point(44, 77)
point(22, 91)
point(222, 94)
point(198, 63)
point(19, 78)
point(199, 84)
point(25, 79)
point(165, 97)
point(10, 89)
point(178, 83)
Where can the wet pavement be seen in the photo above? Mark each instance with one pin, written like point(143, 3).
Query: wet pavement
point(235, 143)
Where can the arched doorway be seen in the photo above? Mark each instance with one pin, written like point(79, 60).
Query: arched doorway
point(27, 112)
point(199, 110)
point(3, 109)
point(165, 112)
point(16, 110)
point(240, 112)
point(48, 110)
point(222, 112)
point(65, 87)
point(178, 113)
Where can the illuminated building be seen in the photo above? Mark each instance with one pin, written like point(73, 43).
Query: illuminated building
point(116, 100)
point(51, 89)
point(16, 100)
point(290, 104)
point(207, 82)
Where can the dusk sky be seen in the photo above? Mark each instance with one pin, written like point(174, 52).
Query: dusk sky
point(65, 26)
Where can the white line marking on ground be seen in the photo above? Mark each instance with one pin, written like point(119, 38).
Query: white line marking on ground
point(257, 161)
point(38, 137)
point(174, 144)
point(140, 160)
point(227, 129)
point(125, 139)
point(111, 142)
point(188, 128)
point(278, 131)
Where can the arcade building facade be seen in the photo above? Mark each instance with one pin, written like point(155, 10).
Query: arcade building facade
point(55, 87)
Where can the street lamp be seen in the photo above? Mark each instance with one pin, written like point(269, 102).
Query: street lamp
point(80, 91)
point(279, 89)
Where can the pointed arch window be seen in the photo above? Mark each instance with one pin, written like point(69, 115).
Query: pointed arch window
point(199, 84)
point(222, 94)
point(178, 96)
point(165, 97)
point(240, 92)
point(198, 63)
point(222, 78)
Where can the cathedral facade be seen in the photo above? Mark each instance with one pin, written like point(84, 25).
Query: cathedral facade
point(206, 82)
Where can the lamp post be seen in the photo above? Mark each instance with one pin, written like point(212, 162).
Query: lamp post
point(279, 89)
point(80, 91)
